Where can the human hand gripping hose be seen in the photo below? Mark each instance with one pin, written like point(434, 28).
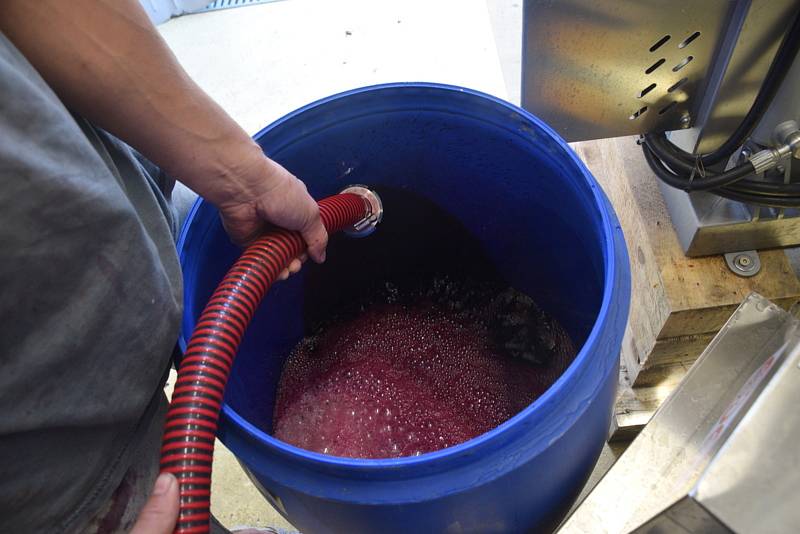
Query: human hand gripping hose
point(188, 443)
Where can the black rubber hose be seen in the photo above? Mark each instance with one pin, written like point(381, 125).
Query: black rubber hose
point(681, 168)
point(699, 182)
point(740, 195)
point(673, 156)
point(775, 75)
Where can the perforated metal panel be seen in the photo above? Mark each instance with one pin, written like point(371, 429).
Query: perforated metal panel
point(605, 68)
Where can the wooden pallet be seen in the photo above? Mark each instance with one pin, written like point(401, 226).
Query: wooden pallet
point(678, 304)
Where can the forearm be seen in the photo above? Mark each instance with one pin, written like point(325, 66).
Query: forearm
point(107, 62)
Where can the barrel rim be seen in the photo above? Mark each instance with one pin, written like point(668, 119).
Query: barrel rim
point(234, 424)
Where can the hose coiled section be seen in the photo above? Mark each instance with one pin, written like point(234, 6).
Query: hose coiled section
point(191, 423)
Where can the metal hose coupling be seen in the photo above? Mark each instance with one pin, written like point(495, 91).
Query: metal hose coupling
point(788, 133)
point(374, 214)
point(787, 136)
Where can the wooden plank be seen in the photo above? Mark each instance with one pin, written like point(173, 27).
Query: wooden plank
point(704, 320)
point(683, 350)
point(649, 304)
point(702, 292)
point(636, 405)
point(677, 303)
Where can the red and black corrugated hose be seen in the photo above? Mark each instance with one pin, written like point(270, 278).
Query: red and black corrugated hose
point(191, 424)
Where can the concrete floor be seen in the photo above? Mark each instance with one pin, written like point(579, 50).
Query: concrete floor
point(506, 20)
point(235, 502)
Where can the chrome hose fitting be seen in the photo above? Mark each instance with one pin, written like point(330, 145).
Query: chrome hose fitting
point(367, 225)
point(787, 139)
point(788, 133)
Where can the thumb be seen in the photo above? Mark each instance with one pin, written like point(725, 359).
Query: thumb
point(160, 512)
point(316, 237)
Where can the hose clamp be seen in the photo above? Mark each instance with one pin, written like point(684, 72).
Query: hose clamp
point(374, 214)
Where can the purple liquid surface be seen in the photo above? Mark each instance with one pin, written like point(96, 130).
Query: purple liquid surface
point(406, 378)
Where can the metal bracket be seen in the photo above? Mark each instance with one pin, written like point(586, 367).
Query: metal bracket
point(745, 263)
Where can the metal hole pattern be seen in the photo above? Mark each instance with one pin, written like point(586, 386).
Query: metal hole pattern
point(686, 42)
point(646, 90)
point(677, 85)
point(658, 44)
point(667, 107)
point(685, 61)
point(654, 66)
point(670, 104)
point(638, 113)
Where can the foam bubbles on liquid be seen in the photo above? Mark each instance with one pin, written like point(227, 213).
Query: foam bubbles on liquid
point(406, 376)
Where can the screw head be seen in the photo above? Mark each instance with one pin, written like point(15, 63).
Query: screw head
point(743, 261)
point(686, 119)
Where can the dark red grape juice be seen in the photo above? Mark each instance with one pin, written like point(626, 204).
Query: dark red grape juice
point(407, 374)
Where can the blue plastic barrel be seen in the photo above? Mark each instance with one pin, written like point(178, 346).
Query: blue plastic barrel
point(460, 172)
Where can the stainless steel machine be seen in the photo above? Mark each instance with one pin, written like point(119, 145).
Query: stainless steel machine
point(721, 455)
point(713, 89)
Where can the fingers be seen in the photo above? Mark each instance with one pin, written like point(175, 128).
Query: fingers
point(316, 237)
point(294, 267)
point(242, 223)
point(278, 198)
point(160, 512)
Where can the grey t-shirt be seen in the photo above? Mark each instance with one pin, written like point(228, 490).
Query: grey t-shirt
point(90, 301)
